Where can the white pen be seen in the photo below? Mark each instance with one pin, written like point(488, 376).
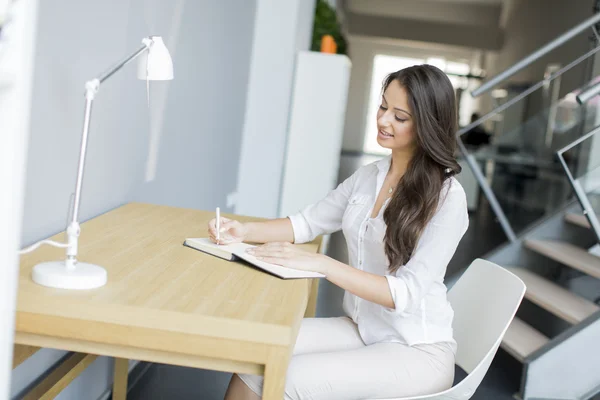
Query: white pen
point(218, 224)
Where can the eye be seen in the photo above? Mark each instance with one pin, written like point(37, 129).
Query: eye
point(381, 107)
point(400, 119)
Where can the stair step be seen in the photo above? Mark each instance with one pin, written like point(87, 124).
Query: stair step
point(577, 219)
point(520, 339)
point(567, 254)
point(558, 300)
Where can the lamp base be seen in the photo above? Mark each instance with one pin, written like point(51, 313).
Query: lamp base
point(55, 274)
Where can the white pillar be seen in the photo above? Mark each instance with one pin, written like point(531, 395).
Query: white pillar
point(16, 75)
point(281, 28)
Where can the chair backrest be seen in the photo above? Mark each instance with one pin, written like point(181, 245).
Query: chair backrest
point(485, 300)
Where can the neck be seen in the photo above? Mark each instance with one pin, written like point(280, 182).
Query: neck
point(400, 160)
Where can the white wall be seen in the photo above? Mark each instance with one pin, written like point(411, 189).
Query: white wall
point(281, 29)
point(16, 72)
point(315, 130)
point(200, 114)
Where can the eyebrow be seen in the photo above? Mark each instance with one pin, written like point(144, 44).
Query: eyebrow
point(396, 108)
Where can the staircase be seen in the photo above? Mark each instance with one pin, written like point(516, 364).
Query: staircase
point(537, 178)
point(553, 361)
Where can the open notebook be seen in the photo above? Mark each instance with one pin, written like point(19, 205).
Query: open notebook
point(234, 251)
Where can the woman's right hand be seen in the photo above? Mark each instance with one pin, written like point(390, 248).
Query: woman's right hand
point(232, 231)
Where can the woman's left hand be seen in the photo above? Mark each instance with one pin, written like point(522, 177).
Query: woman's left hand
point(288, 255)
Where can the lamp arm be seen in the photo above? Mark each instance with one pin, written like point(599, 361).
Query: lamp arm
point(91, 88)
point(147, 43)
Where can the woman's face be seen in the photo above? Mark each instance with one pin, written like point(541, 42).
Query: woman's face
point(395, 123)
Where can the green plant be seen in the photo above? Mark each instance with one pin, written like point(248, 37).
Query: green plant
point(326, 23)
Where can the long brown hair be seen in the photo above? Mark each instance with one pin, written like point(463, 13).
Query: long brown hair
point(433, 104)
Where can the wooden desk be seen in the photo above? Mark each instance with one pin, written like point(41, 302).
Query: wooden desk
point(164, 302)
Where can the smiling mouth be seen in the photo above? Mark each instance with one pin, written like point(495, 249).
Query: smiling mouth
point(384, 133)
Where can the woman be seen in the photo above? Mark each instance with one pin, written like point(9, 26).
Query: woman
point(403, 218)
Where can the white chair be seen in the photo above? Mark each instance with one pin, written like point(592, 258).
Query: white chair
point(485, 300)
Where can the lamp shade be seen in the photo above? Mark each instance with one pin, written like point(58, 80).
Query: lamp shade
point(155, 64)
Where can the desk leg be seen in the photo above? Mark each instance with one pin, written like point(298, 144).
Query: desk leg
point(311, 306)
point(275, 372)
point(120, 379)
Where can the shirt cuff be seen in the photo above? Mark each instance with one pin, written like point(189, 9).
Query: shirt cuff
point(399, 293)
point(301, 228)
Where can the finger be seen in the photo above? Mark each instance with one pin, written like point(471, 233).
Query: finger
point(221, 241)
point(212, 231)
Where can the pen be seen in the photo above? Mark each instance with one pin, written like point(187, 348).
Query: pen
point(218, 224)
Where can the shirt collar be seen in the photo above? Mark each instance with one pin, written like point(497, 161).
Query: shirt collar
point(384, 164)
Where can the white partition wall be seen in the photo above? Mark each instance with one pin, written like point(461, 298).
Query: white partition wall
point(16, 70)
point(316, 128)
point(281, 29)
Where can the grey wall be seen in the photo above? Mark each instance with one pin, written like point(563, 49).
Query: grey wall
point(197, 163)
point(529, 24)
point(203, 108)
point(462, 23)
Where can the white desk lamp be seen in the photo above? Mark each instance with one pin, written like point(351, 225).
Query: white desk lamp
point(154, 64)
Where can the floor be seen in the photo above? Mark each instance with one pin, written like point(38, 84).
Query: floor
point(484, 233)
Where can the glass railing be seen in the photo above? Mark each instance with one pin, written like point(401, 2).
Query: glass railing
point(581, 163)
point(511, 151)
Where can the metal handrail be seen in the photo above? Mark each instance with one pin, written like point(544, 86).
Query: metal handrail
point(588, 93)
point(487, 86)
point(528, 91)
point(582, 196)
point(478, 174)
point(487, 190)
point(579, 140)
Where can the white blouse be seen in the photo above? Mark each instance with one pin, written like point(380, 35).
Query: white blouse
point(422, 314)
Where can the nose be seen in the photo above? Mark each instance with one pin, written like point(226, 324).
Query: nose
point(384, 120)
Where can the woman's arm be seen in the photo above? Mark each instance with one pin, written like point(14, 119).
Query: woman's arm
point(363, 284)
point(322, 217)
point(275, 230)
point(411, 283)
point(371, 287)
point(233, 231)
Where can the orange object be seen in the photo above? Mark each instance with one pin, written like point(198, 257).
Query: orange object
point(328, 44)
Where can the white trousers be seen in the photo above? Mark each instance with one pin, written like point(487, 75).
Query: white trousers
point(331, 362)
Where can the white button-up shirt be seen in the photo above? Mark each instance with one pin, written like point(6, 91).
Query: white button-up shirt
point(422, 314)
